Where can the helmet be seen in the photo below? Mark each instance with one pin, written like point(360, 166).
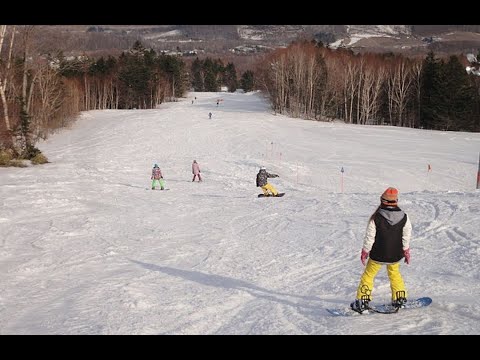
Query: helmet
point(262, 168)
point(155, 166)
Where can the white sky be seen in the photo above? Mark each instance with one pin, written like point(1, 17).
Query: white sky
point(87, 248)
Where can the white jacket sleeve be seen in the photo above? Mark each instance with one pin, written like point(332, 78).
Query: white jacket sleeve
point(407, 234)
point(370, 236)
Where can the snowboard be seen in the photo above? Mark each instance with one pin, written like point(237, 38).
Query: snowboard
point(278, 195)
point(383, 308)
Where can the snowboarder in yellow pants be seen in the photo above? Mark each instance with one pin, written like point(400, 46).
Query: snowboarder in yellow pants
point(386, 242)
point(262, 182)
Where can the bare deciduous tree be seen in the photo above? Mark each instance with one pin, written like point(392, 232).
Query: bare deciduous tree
point(4, 80)
point(417, 84)
point(373, 79)
point(400, 81)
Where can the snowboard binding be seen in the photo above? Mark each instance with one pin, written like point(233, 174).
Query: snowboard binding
point(361, 305)
point(400, 300)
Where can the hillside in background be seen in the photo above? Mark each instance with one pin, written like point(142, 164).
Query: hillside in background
point(250, 39)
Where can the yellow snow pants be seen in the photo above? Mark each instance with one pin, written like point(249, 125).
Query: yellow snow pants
point(268, 187)
point(366, 281)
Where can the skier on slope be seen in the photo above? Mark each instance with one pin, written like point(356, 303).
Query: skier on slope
point(386, 242)
point(157, 178)
point(262, 181)
point(196, 171)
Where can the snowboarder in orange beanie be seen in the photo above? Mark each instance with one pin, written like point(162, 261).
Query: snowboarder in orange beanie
point(386, 242)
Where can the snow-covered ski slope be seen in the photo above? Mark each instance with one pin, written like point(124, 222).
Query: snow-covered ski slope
point(85, 248)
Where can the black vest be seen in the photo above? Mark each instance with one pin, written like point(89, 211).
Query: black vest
point(388, 246)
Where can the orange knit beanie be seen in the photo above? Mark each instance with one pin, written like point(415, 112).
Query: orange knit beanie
point(390, 197)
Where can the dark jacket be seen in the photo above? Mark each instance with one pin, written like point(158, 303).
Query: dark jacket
point(262, 177)
point(389, 224)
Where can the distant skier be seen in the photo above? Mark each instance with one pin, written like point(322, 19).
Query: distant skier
point(196, 171)
point(157, 178)
point(386, 242)
point(218, 101)
point(262, 182)
point(209, 115)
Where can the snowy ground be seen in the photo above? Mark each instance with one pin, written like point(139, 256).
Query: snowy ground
point(87, 248)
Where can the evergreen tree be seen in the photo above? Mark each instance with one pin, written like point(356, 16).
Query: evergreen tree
point(137, 48)
point(134, 76)
point(150, 57)
point(28, 150)
point(71, 68)
point(247, 81)
point(460, 97)
point(174, 67)
point(110, 63)
point(231, 77)
point(432, 104)
point(449, 98)
point(210, 71)
point(197, 75)
point(219, 71)
point(98, 67)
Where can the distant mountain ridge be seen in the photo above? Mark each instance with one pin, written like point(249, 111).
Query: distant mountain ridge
point(415, 39)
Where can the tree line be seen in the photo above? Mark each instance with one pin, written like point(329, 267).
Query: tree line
point(42, 92)
point(211, 74)
point(310, 81)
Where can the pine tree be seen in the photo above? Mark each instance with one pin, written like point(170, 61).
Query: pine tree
point(449, 99)
point(137, 48)
point(460, 97)
point(174, 67)
point(210, 71)
point(247, 81)
point(197, 75)
point(231, 77)
point(432, 104)
point(134, 76)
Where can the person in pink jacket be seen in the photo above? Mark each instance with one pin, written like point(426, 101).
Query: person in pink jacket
point(196, 171)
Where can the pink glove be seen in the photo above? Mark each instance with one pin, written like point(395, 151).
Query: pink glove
point(406, 253)
point(364, 256)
